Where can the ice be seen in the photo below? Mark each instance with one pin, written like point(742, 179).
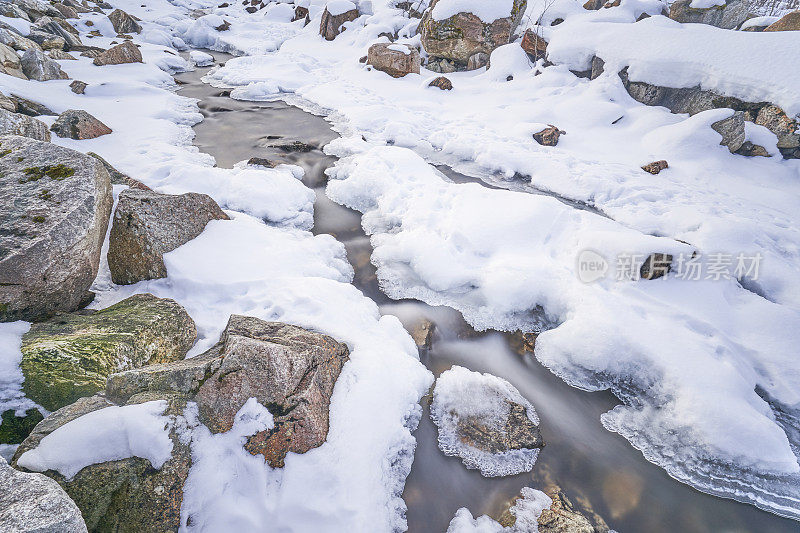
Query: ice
point(462, 394)
point(108, 434)
point(526, 510)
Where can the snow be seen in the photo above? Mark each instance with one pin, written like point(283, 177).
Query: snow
point(462, 394)
point(339, 7)
point(758, 22)
point(11, 378)
point(486, 10)
point(201, 59)
point(706, 4)
point(526, 510)
point(399, 48)
point(108, 434)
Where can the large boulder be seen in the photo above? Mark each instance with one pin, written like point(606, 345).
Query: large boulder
point(72, 354)
point(336, 13)
point(729, 15)
point(33, 503)
point(396, 60)
point(789, 22)
point(78, 124)
point(53, 218)
point(18, 124)
point(455, 35)
point(123, 22)
point(486, 422)
point(9, 62)
point(148, 224)
point(62, 29)
point(126, 52)
point(289, 370)
point(38, 66)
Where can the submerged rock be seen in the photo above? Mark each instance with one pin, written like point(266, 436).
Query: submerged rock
point(484, 420)
point(123, 22)
point(78, 124)
point(462, 35)
point(126, 52)
point(37, 66)
point(729, 15)
point(53, 220)
point(33, 503)
point(396, 60)
point(18, 124)
point(335, 14)
point(71, 355)
point(148, 224)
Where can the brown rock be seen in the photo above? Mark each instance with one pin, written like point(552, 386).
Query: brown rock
point(123, 22)
point(749, 149)
point(126, 52)
point(262, 162)
point(396, 60)
point(225, 26)
point(300, 13)
point(655, 266)
point(593, 5)
point(330, 25)
point(655, 167)
point(422, 333)
point(548, 136)
point(78, 124)
point(289, 370)
point(78, 87)
point(442, 83)
point(534, 45)
point(789, 22)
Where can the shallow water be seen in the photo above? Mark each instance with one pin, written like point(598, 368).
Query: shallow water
point(581, 456)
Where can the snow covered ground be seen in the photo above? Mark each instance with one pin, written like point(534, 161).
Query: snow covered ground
point(707, 369)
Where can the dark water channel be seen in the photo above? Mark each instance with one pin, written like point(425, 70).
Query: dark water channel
point(587, 461)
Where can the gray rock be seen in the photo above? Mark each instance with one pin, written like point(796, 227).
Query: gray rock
point(78, 87)
point(68, 12)
point(36, 9)
point(53, 220)
point(126, 52)
point(117, 177)
point(732, 131)
point(17, 124)
point(9, 62)
point(148, 224)
point(123, 22)
point(395, 63)
point(47, 41)
point(7, 103)
point(729, 16)
point(11, 10)
point(34, 503)
point(16, 41)
point(60, 55)
point(773, 118)
point(78, 124)
point(330, 25)
point(656, 266)
point(31, 108)
point(37, 66)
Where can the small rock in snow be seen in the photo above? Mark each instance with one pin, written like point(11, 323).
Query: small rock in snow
point(78, 124)
point(655, 167)
point(442, 83)
point(126, 52)
point(548, 136)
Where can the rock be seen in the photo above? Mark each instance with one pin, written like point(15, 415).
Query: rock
point(61, 28)
point(442, 66)
point(655, 266)
point(71, 355)
point(78, 124)
point(732, 131)
point(331, 22)
point(9, 62)
point(773, 118)
point(78, 87)
point(14, 429)
point(60, 55)
point(38, 66)
point(53, 220)
point(31, 108)
point(289, 370)
point(484, 420)
point(655, 167)
point(749, 149)
point(442, 83)
point(593, 5)
point(548, 136)
point(462, 35)
point(17, 41)
point(300, 13)
point(728, 16)
point(126, 52)
point(225, 26)
point(598, 67)
point(7, 103)
point(36, 9)
point(117, 177)
point(292, 146)
point(262, 162)
point(148, 224)
point(396, 60)
point(477, 60)
point(90, 51)
point(47, 41)
point(67, 12)
point(123, 22)
point(789, 22)
point(10, 10)
point(17, 124)
point(33, 503)
point(422, 333)
point(563, 516)
point(534, 45)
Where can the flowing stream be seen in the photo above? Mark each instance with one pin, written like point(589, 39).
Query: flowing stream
point(581, 456)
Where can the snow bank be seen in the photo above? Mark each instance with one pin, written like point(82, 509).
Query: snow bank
point(108, 434)
point(339, 7)
point(201, 59)
point(526, 510)
point(11, 378)
point(753, 66)
point(461, 394)
point(486, 10)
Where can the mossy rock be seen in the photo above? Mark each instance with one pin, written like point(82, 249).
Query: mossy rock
point(14, 429)
point(71, 355)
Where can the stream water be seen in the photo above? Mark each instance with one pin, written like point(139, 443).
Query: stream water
point(585, 459)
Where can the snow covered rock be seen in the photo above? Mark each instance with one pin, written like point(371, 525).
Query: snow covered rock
point(484, 420)
point(71, 355)
point(123, 22)
point(562, 516)
point(126, 52)
point(396, 60)
point(123, 465)
point(55, 210)
point(37, 66)
point(148, 224)
point(456, 29)
point(522, 517)
point(78, 124)
point(33, 503)
point(201, 59)
point(287, 368)
point(18, 124)
point(728, 15)
point(9, 62)
point(336, 13)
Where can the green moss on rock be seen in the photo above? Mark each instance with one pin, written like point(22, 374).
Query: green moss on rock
point(14, 429)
